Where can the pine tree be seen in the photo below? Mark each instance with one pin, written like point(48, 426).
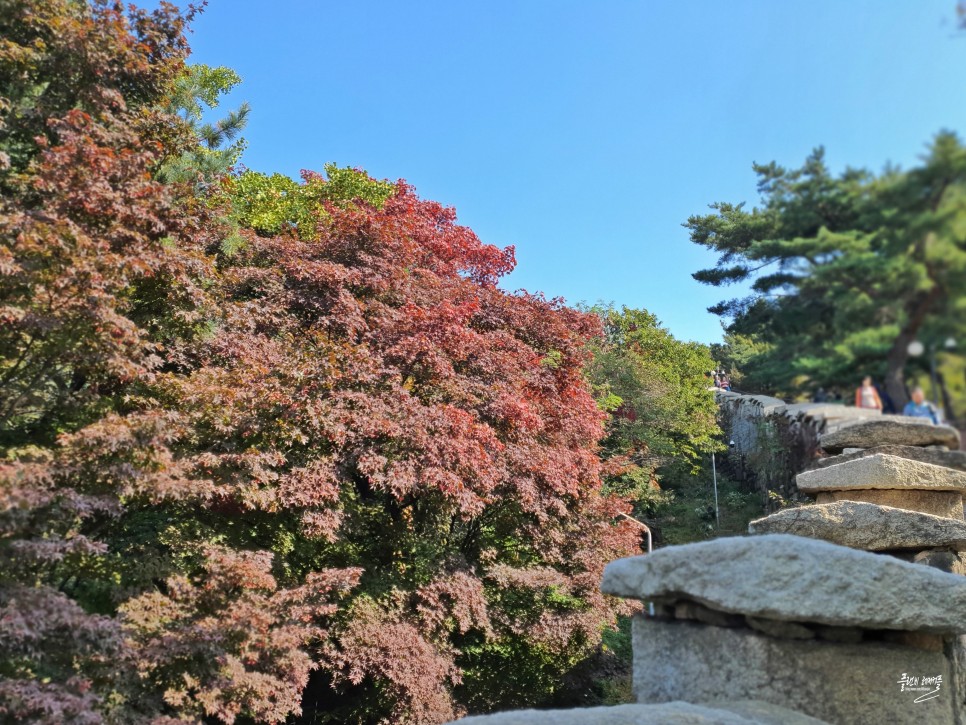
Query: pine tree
point(216, 146)
point(846, 270)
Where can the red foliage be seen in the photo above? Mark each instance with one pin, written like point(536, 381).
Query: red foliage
point(233, 644)
point(375, 370)
point(82, 227)
point(373, 376)
point(41, 626)
point(383, 647)
point(343, 447)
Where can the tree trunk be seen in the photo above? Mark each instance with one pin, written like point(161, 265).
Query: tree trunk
point(895, 383)
point(947, 400)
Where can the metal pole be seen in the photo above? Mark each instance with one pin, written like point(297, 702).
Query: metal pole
point(714, 473)
point(650, 547)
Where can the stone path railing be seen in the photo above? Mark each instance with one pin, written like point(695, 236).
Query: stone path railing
point(848, 610)
point(774, 440)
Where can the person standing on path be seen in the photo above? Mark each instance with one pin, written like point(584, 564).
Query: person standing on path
point(866, 396)
point(919, 407)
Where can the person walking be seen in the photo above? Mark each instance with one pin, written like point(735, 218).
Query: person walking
point(866, 396)
point(919, 407)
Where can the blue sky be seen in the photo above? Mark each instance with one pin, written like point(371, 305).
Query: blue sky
point(585, 133)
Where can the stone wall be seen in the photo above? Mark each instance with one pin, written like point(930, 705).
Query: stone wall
point(774, 440)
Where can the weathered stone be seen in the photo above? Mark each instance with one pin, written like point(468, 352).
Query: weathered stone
point(766, 402)
point(846, 635)
point(697, 612)
point(942, 559)
point(865, 526)
point(829, 411)
point(890, 430)
point(776, 628)
point(917, 640)
point(955, 650)
point(945, 504)
point(881, 471)
point(765, 713)
point(841, 683)
point(791, 578)
point(949, 459)
point(671, 713)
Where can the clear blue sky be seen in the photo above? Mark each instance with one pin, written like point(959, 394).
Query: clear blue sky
point(585, 133)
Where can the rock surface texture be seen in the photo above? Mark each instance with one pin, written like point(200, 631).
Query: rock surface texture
point(857, 684)
point(890, 430)
point(671, 713)
point(795, 579)
point(947, 504)
point(881, 471)
point(866, 526)
point(950, 459)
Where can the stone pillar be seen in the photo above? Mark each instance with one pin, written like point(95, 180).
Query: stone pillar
point(830, 631)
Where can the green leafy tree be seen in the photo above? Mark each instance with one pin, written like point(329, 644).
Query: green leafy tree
point(657, 391)
point(274, 203)
point(736, 354)
point(845, 270)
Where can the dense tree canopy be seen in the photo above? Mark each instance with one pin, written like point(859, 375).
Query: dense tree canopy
point(658, 390)
point(275, 429)
point(846, 270)
point(86, 236)
point(370, 399)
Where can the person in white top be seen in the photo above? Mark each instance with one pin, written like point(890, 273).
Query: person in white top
point(866, 396)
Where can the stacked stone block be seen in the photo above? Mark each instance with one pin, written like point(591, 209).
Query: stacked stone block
point(805, 624)
point(825, 614)
point(894, 487)
point(827, 611)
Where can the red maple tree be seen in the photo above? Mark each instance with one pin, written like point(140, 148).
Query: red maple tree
point(339, 448)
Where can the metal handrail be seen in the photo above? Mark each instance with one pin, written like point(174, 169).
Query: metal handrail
point(650, 548)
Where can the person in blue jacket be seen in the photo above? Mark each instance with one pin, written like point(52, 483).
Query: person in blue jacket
point(919, 407)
